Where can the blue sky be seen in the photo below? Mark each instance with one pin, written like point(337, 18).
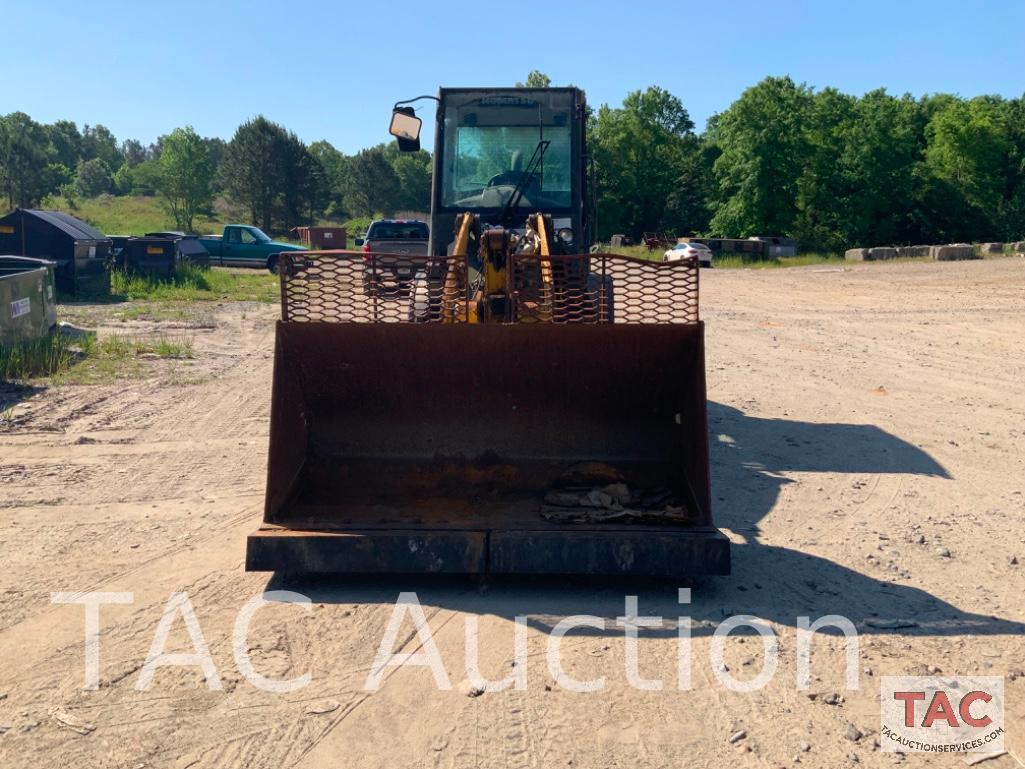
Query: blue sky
point(331, 70)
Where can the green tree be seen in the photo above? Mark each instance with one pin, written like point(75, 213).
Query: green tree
point(536, 79)
point(65, 143)
point(372, 186)
point(414, 171)
point(252, 171)
point(333, 162)
point(882, 144)
point(687, 210)
point(185, 175)
point(822, 187)
point(58, 176)
point(143, 179)
point(643, 152)
point(93, 178)
point(764, 150)
point(967, 146)
point(305, 184)
point(133, 152)
point(99, 142)
point(1010, 214)
point(215, 150)
point(272, 173)
point(23, 159)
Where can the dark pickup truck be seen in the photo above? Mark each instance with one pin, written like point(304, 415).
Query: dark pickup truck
point(244, 246)
point(395, 238)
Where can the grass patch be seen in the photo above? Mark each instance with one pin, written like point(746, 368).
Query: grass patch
point(737, 261)
point(35, 358)
point(99, 361)
point(120, 347)
point(139, 214)
point(191, 283)
point(125, 214)
point(639, 251)
point(167, 347)
point(733, 261)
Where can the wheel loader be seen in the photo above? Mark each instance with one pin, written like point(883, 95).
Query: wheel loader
point(513, 402)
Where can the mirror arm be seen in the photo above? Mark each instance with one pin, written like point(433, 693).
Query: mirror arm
point(417, 98)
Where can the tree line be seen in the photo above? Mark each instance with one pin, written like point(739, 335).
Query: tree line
point(831, 169)
point(264, 169)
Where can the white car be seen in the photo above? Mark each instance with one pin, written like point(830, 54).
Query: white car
point(689, 251)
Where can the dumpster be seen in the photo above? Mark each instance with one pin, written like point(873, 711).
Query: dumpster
point(117, 249)
point(79, 251)
point(189, 248)
point(152, 255)
point(28, 304)
point(326, 238)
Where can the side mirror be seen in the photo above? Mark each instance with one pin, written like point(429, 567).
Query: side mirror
point(358, 241)
point(405, 127)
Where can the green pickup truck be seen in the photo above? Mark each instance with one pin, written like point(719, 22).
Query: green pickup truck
point(243, 246)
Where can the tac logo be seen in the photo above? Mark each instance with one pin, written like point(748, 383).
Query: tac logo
point(940, 714)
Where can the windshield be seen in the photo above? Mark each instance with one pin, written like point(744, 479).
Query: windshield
point(398, 231)
point(259, 235)
point(490, 142)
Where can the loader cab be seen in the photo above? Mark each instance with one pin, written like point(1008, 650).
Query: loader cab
point(503, 154)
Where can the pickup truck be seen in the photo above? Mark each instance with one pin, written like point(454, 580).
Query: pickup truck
point(396, 238)
point(244, 246)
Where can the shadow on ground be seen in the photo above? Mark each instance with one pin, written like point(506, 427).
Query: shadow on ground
point(12, 394)
point(779, 584)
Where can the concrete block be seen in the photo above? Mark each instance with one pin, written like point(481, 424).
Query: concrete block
point(914, 251)
point(856, 254)
point(953, 252)
point(880, 253)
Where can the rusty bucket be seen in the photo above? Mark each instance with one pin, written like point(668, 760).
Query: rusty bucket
point(527, 448)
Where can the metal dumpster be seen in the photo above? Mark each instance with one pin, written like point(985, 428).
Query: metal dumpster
point(153, 255)
point(28, 305)
point(190, 250)
point(80, 251)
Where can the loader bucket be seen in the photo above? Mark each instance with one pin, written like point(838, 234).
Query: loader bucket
point(453, 447)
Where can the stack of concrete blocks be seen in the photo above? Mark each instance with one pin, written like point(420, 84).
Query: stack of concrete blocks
point(991, 248)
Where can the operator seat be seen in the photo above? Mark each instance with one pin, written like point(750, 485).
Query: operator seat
point(511, 177)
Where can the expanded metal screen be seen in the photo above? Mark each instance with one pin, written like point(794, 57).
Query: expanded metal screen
point(354, 287)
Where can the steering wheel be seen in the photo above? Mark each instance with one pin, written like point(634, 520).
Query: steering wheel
point(506, 178)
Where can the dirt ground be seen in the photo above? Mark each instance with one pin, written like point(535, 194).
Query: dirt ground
point(868, 446)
